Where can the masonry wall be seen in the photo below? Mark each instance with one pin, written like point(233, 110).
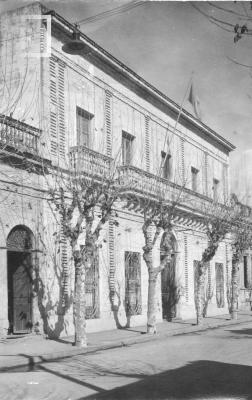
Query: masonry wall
point(57, 85)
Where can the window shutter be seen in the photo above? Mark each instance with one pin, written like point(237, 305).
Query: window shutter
point(182, 163)
point(186, 267)
point(147, 142)
point(53, 107)
point(205, 175)
point(209, 278)
point(65, 268)
point(108, 121)
point(225, 181)
point(61, 108)
point(111, 245)
point(57, 107)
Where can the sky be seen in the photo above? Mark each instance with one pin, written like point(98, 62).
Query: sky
point(165, 42)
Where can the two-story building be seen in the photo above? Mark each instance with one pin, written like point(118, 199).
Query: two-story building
point(89, 108)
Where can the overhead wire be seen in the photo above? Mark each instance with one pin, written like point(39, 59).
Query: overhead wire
point(112, 12)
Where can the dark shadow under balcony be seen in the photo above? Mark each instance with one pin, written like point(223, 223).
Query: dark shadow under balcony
point(89, 162)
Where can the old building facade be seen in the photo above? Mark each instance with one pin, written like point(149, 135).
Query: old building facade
point(91, 110)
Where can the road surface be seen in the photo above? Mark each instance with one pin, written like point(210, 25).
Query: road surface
point(214, 364)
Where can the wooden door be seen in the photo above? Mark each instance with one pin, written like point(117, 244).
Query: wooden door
point(169, 289)
point(19, 292)
point(21, 300)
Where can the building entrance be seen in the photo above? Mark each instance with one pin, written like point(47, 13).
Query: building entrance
point(19, 259)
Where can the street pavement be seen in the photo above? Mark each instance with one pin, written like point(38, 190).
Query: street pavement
point(211, 364)
point(31, 349)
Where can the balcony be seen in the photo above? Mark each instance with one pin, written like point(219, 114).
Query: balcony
point(18, 136)
point(142, 183)
point(90, 162)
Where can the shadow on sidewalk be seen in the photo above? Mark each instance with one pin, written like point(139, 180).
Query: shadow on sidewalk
point(247, 332)
point(196, 380)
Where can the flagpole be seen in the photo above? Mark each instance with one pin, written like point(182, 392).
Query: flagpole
point(178, 117)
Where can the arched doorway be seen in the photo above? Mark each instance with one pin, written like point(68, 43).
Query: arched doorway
point(168, 276)
point(19, 262)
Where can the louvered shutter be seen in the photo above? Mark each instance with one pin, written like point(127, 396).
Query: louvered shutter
point(205, 173)
point(147, 142)
point(64, 268)
point(53, 107)
point(61, 109)
point(225, 181)
point(182, 161)
point(108, 121)
point(186, 267)
point(57, 107)
point(111, 245)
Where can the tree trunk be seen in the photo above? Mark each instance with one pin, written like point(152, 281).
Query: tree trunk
point(79, 303)
point(198, 298)
point(234, 289)
point(152, 306)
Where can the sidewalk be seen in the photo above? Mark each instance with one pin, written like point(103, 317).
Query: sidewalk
point(31, 349)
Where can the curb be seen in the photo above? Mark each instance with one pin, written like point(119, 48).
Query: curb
point(143, 338)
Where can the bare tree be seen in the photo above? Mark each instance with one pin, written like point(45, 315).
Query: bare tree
point(84, 206)
point(241, 241)
point(218, 221)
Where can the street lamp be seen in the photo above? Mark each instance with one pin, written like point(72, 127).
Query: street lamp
point(75, 45)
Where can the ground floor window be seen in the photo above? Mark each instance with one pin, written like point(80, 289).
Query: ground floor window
point(92, 289)
point(247, 262)
point(133, 305)
point(219, 274)
point(206, 290)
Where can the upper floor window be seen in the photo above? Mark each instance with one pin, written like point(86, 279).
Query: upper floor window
point(127, 148)
point(194, 178)
point(216, 184)
point(83, 124)
point(166, 165)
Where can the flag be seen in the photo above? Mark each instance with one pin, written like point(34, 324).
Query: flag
point(194, 100)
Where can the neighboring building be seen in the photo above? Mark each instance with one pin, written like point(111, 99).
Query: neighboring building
point(94, 108)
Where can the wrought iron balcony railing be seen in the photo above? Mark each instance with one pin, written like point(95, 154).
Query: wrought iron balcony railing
point(18, 136)
point(144, 183)
point(90, 162)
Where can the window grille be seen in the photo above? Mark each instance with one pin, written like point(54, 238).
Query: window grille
point(133, 304)
point(219, 273)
